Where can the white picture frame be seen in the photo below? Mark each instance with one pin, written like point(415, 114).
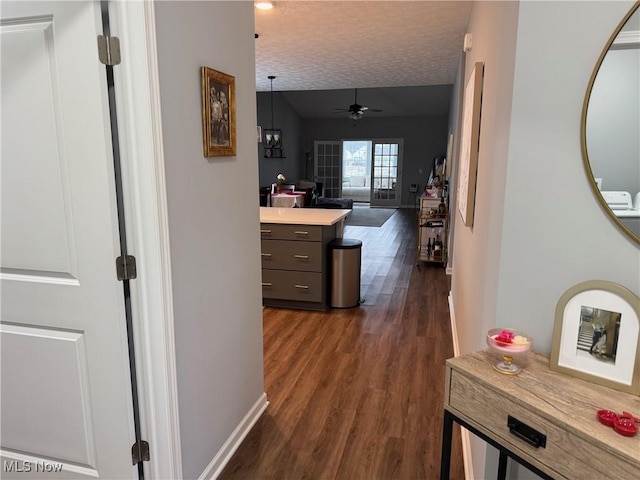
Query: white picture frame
point(596, 335)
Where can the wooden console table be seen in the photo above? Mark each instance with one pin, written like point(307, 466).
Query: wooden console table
point(544, 420)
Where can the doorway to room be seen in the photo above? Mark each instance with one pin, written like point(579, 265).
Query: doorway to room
point(371, 171)
point(367, 170)
point(356, 170)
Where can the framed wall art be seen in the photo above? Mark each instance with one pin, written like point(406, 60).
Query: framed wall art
point(218, 113)
point(596, 335)
point(469, 144)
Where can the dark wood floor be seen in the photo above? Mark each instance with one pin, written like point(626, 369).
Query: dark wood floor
point(358, 393)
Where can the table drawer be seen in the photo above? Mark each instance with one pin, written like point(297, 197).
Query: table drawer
point(276, 231)
point(571, 455)
point(298, 286)
point(292, 255)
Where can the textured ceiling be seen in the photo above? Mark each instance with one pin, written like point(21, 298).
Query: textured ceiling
point(323, 45)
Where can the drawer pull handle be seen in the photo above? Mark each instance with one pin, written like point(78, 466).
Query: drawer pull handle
point(265, 231)
point(266, 255)
point(264, 284)
point(302, 257)
point(301, 233)
point(304, 287)
point(526, 433)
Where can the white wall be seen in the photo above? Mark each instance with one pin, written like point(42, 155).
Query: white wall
point(554, 228)
point(455, 113)
point(476, 249)
point(538, 228)
point(214, 225)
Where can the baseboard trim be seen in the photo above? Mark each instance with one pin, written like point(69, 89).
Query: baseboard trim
point(215, 467)
point(454, 329)
point(464, 433)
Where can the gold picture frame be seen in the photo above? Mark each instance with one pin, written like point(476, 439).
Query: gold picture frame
point(596, 336)
point(218, 113)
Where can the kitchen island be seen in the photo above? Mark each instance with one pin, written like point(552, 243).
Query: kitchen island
point(294, 255)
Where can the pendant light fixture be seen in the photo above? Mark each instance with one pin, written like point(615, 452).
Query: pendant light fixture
point(273, 137)
point(271, 79)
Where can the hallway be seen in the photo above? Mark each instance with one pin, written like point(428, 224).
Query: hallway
point(358, 393)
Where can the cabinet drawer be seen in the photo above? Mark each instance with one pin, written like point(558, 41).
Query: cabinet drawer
point(276, 231)
point(298, 286)
point(292, 255)
point(571, 455)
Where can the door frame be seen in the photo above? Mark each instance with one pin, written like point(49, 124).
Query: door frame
point(397, 201)
point(144, 190)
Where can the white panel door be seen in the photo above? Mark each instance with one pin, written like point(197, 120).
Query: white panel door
point(386, 169)
point(66, 391)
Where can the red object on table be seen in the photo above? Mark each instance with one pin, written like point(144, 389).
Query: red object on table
point(607, 417)
point(624, 424)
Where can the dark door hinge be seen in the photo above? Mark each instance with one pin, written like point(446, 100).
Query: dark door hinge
point(140, 452)
point(109, 50)
point(126, 267)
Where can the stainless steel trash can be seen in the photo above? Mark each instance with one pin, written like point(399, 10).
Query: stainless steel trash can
point(345, 272)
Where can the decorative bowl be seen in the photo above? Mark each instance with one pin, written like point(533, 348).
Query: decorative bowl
point(607, 417)
point(508, 342)
point(625, 426)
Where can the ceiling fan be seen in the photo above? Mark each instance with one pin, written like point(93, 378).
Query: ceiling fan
point(355, 111)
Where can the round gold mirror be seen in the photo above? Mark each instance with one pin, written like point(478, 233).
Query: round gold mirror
point(610, 130)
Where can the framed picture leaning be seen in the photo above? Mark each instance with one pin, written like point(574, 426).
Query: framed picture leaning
point(596, 335)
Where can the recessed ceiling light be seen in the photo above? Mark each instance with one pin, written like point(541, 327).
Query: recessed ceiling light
point(264, 5)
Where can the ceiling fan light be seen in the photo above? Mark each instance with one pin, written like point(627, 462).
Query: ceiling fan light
point(263, 5)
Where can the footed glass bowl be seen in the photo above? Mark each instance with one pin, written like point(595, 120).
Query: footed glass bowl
point(508, 342)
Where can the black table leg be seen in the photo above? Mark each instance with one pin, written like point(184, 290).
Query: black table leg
point(445, 461)
point(502, 465)
point(447, 432)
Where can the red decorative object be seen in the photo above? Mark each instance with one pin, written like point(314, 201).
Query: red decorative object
point(505, 336)
point(624, 424)
point(607, 417)
point(508, 343)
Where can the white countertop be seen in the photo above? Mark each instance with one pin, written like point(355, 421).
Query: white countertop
point(303, 216)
